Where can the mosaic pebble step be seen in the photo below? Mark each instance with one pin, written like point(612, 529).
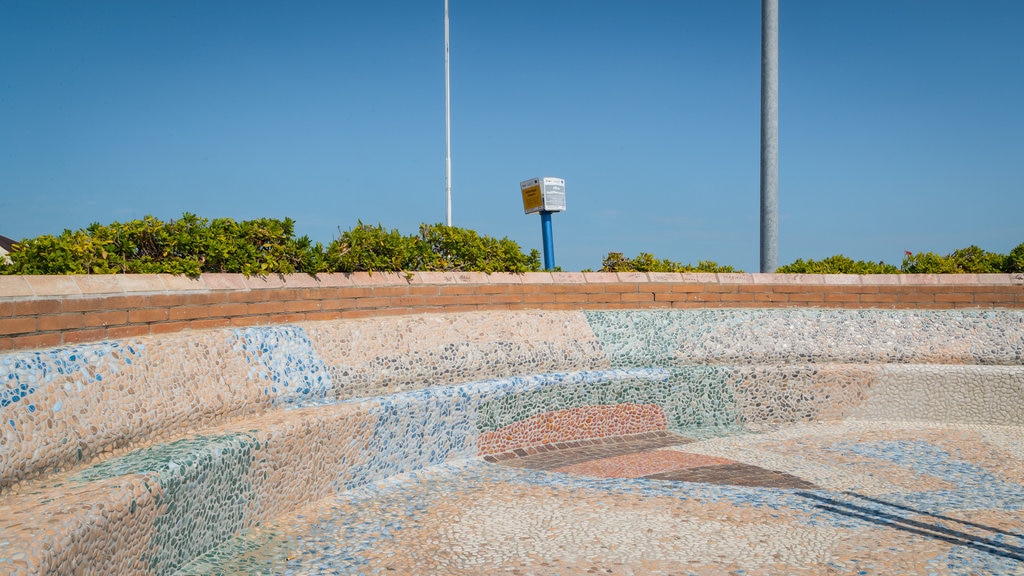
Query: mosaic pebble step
point(152, 509)
point(552, 456)
point(638, 456)
point(772, 336)
point(899, 498)
point(60, 408)
point(158, 506)
point(734, 474)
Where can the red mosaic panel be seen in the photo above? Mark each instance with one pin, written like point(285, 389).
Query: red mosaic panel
point(574, 424)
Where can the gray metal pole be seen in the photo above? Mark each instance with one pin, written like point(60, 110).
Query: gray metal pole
point(447, 127)
point(769, 135)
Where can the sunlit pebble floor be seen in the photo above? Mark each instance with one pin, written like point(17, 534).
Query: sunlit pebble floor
point(885, 498)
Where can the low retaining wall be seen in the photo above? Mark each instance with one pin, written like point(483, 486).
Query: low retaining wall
point(138, 454)
point(45, 311)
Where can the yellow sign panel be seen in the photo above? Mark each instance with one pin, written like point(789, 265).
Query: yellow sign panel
point(532, 199)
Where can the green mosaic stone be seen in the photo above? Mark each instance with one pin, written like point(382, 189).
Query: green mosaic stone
point(205, 490)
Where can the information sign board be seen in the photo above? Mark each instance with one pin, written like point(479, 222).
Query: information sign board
point(553, 192)
point(543, 195)
point(532, 200)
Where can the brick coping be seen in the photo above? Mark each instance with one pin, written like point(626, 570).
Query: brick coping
point(44, 286)
point(48, 311)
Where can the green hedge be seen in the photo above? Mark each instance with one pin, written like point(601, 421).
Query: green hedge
point(193, 245)
point(970, 260)
point(616, 262)
point(837, 264)
point(436, 248)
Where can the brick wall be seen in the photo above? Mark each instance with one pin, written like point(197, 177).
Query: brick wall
point(47, 311)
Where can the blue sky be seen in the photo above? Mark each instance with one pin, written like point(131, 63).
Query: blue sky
point(901, 121)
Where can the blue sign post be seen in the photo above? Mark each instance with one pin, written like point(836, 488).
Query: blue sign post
point(549, 243)
point(544, 195)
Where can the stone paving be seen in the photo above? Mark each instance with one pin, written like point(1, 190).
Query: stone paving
point(837, 498)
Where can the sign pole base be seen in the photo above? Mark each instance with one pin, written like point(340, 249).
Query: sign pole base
point(549, 244)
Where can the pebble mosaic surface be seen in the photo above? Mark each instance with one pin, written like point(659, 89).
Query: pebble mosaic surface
point(809, 336)
point(854, 514)
point(635, 442)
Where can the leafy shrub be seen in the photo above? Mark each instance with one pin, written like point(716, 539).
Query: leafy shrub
point(372, 248)
point(928, 263)
point(69, 253)
point(970, 260)
point(193, 245)
point(451, 248)
point(1015, 260)
point(616, 262)
point(977, 261)
point(436, 248)
point(260, 247)
point(837, 264)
